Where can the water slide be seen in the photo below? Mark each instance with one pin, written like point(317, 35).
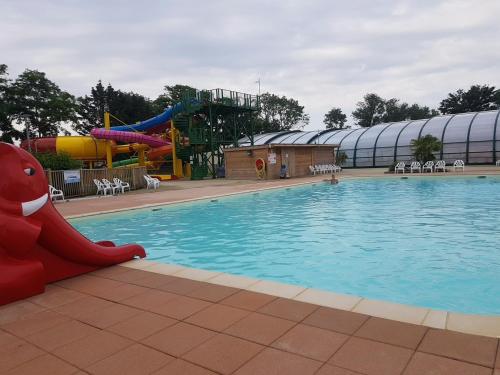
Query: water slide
point(128, 137)
point(37, 245)
point(154, 122)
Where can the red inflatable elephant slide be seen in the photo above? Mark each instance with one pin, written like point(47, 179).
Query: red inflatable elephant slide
point(37, 245)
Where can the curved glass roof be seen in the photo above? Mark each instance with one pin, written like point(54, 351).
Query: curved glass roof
point(472, 137)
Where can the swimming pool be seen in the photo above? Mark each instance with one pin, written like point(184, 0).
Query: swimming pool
point(425, 241)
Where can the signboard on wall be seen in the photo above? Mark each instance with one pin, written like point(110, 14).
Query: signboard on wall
point(271, 158)
point(72, 177)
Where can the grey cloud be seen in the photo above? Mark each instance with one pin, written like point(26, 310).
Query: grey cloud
point(323, 53)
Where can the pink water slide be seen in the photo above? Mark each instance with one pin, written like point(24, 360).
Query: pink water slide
point(128, 137)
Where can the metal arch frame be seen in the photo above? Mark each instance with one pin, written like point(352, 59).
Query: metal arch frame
point(397, 138)
point(468, 138)
point(334, 132)
point(495, 139)
point(288, 135)
point(323, 132)
point(424, 125)
point(304, 133)
point(444, 131)
point(376, 141)
point(347, 135)
point(356, 146)
point(279, 135)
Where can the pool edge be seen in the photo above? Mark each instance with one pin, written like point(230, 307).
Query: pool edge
point(482, 325)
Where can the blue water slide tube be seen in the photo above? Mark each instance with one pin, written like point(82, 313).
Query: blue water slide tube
point(152, 122)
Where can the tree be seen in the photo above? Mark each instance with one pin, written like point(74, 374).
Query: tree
point(477, 98)
point(172, 95)
point(370, 111)
point(40, 104)
point(335, 119)
point(7, 131)
point(424, 148)
point(375, 110)
point(279, 113)
point(129, 107)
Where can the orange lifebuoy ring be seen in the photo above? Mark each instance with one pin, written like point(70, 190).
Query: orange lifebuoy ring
point(260, 167)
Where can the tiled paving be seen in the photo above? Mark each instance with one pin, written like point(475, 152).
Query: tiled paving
point(122, 320)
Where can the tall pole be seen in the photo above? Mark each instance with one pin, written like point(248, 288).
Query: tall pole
point(27, 133)
point(109, 155)
point(258, 81)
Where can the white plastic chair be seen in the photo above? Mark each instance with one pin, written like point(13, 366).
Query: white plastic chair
point(312, 170)
point(440, 166)
point(336, 168)
point(459, 164)
point(114, 188)
point(151, 182)
point(121, 184)
point(400, 167)
point(101, 188)
point(429, 165)
point(55, 193)
point(415, 166)
point(497, 163)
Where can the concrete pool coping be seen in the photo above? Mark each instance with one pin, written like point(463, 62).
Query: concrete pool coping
point(484, 325)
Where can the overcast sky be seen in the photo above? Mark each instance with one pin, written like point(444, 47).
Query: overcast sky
point(322, 53)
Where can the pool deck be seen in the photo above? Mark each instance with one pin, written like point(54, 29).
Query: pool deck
point(142, 317)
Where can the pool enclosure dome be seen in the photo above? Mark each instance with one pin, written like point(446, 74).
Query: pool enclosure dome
point(472, 137)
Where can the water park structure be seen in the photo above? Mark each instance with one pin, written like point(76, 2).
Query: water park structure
point(186, 140)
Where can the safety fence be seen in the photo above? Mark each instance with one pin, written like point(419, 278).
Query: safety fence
point(80, 182)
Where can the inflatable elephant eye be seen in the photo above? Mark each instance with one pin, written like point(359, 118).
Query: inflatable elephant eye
point(29, 171)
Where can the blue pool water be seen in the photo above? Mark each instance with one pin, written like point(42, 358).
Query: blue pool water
point(432, 242)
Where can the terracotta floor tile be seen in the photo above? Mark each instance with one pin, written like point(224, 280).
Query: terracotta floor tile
point(336, 320)
point(141, 326)
point(311, 342)
point(392, 332)
point(108, 316)
point(14, 311)
point(134, 360)
point(7, 339)
point(476, 349)
point(109, 272)
point(181, 307)
point(14, 355)
point(178, 339)
point(45, 364)
point(428, 364)
point(153, 280)
point(217, 317)
point(92, 348)
point(127, 276)
point(120, 292)
point(61, 335)
point(334, 370)
point(88, 284)
point(223, 353)
point(55, 296)
point(83, 306)
point(181, 286)
point(260, 328)
point(212, 292)
point(149, 299)
point(248, 300)
point(288, 309)
point(497, 364)
point(371, 358)
point(275, 362)
point(180, 367)
point(36, 322)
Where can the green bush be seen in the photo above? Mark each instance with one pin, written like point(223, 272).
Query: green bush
point(57, 162)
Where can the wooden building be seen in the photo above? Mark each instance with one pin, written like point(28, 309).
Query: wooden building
point(244, 162)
